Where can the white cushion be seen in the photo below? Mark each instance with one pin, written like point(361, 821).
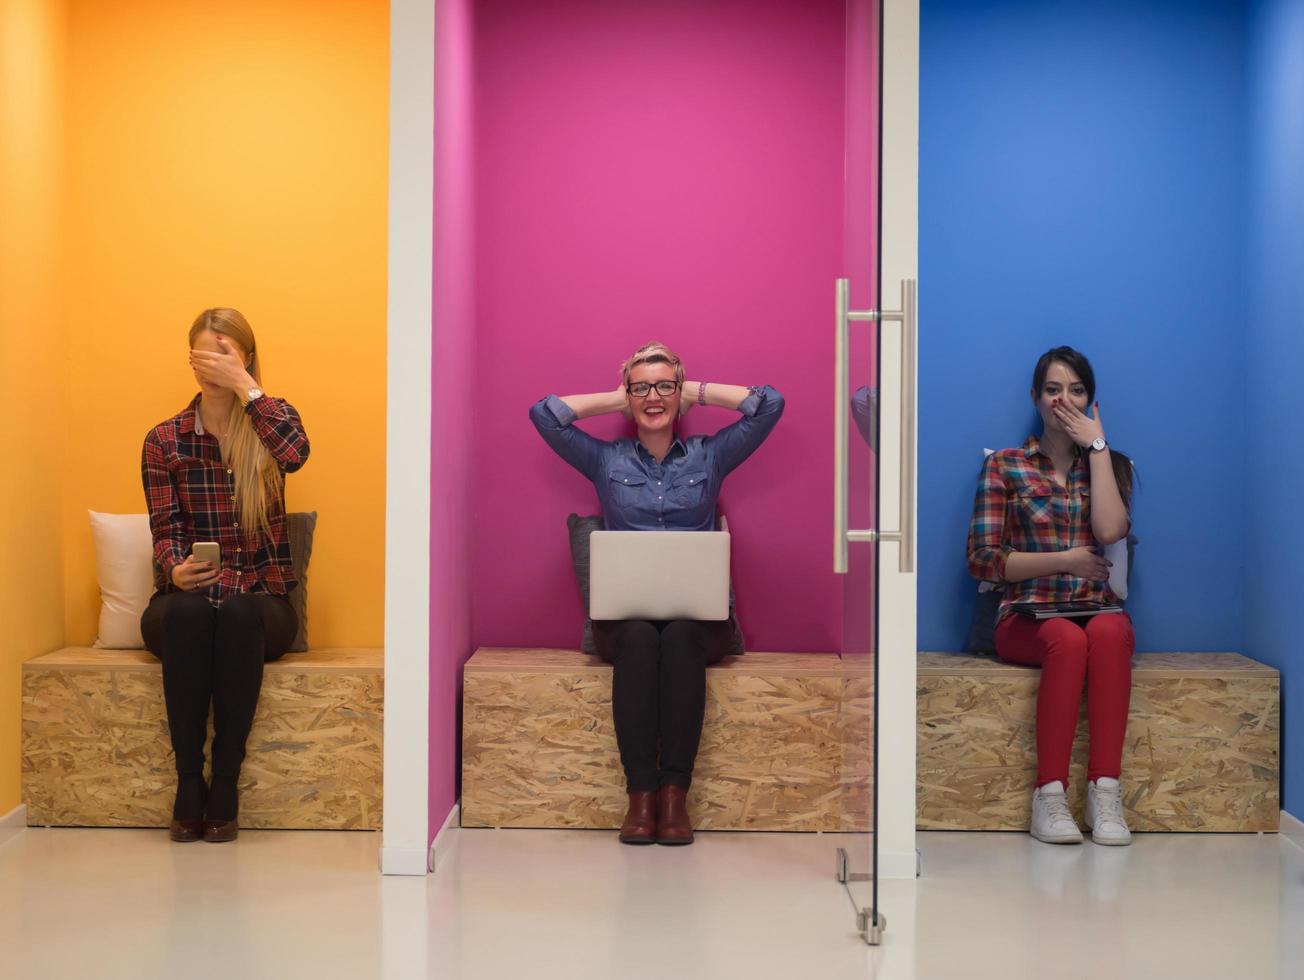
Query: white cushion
point(1115, 554)
point(124, 564)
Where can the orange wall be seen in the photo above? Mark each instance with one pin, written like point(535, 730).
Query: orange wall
point(233, 154)
point(31, 397)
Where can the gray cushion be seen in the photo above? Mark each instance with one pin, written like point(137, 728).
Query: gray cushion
point(580, 528)
point(982, 631)
point(301, 526)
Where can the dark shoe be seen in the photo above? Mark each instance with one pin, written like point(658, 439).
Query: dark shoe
point(222, 810)
point(673, 825)
point(185, 831)
point(220, 831)
point(188, 808)
point(640, 826)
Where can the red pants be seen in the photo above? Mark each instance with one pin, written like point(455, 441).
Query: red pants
point(1071, 652)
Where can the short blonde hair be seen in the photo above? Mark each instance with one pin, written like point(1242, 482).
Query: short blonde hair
point(654, 352)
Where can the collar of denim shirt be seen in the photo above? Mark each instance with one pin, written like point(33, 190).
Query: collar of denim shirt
point(644, 454)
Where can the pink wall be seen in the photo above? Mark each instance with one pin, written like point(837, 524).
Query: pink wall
point(860, 248)
point(655, 170)
point(452, 461)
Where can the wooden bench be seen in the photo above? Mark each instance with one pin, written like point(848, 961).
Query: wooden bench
point(1202, 751)
point(785, 743)
point(96, 751)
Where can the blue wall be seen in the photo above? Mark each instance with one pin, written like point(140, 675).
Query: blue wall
point(1275, 389)
point(1082, 182)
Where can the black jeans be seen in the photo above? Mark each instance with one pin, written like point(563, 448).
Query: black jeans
point(658, 693)
point(214, 655)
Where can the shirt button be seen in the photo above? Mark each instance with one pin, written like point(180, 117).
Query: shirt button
point(658, 483)
point(235, 523)
point(229, 471)
point(237, 551)
point(658, 498)
point(232, 498)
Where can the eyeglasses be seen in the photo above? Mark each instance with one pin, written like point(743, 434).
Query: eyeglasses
point(641, 389)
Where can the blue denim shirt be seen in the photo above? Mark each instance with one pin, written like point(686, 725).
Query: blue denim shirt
point(678, 494)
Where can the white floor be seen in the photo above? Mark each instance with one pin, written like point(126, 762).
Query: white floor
point(575, 904)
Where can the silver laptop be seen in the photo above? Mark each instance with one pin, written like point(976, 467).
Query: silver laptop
point(659, 575)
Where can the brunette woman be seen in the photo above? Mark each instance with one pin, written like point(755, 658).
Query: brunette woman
point(1041, 517)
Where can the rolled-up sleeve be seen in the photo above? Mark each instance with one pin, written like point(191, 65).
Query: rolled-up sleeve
point(986, 548)
point(555, 421)
point(280, 430)
point(864, 411)
point(730, 446)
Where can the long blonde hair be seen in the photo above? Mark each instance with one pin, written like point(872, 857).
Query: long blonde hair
point(258, 480)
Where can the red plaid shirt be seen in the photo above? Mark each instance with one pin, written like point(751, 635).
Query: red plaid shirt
point(1020, 507)
point(190, 493)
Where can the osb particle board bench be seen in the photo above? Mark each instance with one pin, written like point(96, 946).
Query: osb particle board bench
point(785, 743)
point(1202, 750)
point(96, 751)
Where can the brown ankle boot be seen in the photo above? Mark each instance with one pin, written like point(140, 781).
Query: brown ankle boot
point(673, 826)
point(640, 826)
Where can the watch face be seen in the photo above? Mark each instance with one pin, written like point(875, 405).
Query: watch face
point(1098, 444)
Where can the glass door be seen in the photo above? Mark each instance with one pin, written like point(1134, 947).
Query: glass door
point(874, 474)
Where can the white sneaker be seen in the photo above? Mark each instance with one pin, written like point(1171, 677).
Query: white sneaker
point(1105, 817)
point(1052, 821)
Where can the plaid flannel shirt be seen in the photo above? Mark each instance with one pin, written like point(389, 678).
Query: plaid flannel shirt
point(190, 493)
point(1020, 507)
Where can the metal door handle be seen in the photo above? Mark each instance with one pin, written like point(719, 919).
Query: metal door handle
point(843, 317)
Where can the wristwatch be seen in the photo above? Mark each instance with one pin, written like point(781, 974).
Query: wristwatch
point(255, 393)
point(1098, 445)
point(701, 393)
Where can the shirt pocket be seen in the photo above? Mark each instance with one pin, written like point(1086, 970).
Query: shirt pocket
point(627, 486)
point(1037, 504)
point(1083, 509)
point(688, 488)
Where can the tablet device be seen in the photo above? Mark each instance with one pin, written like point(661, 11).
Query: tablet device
point(1058, 610)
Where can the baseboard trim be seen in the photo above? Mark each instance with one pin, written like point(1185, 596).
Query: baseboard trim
point(13, 823)
point(1292, 828)
point(443, 842)
point(403, 860)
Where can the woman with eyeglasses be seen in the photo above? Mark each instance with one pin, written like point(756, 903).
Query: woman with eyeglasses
point(658, 481)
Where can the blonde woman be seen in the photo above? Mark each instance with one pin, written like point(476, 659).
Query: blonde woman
point(658, 481)
point(215, 472)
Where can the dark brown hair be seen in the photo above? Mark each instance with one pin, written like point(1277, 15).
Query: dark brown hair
point(1079, 365)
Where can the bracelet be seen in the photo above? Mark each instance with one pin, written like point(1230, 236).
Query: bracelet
point(701, 393)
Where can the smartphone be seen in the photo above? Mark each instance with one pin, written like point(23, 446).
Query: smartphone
point(209, 551)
